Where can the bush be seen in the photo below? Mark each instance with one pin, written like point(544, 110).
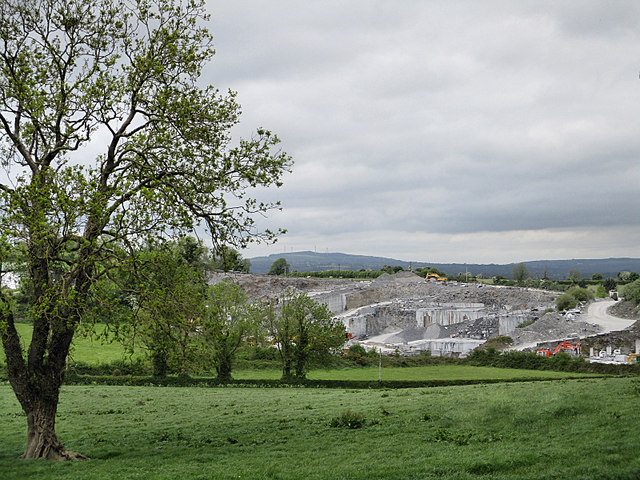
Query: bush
point(526, 324)
point(357, 350)
point(119, 367)
point(631, 292)
point(566, 301)
point(358, 354)
point(263, 353)
point(348, 420)
point(581, 294)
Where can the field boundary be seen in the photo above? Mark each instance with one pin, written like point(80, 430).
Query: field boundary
point(183, 381)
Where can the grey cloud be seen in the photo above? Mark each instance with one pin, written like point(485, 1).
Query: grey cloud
point(441, 117)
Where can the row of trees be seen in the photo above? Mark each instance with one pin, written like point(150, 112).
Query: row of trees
point(521, 276)
point(160, 301)
point(281, 267)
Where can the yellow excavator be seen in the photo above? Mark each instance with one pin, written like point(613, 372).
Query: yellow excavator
point(436, 277)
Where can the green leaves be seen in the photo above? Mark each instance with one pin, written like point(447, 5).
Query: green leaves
point(303, 330)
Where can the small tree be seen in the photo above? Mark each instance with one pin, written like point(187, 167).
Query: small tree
point(574, 276)
point(229, 260)
point(520, 273)
point(303, 330)
point(610, 284)
point(170, 300)
point(624, 276)
point(279, 267)
point(391, 270)
point(226, 322)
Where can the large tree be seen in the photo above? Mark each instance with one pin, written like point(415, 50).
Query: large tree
point(107, 138)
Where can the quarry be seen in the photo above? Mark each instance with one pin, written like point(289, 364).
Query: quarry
point(406, 314)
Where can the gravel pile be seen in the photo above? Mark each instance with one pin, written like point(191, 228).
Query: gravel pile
point(553, 326)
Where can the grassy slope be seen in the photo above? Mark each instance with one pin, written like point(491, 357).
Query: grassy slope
point(571, 429)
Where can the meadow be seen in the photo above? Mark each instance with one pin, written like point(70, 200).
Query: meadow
point(92, 349)
point(581, 428)
point(556, 426)
point(419, 373)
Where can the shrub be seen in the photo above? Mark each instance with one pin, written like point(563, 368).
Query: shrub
point(526, 324)
point(498, 342)
point(631, 292)
point(357, 350)
point(358, 354)
point(118, 367)
point(566, 301)
point(264, 353)
point(581, 294)
point(348, 420)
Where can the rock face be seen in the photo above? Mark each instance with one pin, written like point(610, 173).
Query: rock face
point(405, 312)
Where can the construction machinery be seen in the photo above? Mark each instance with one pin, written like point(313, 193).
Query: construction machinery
point(572, 348)
point(436, 277)
point(633, 358)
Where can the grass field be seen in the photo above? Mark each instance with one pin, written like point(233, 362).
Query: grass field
point(84, 348)
point(427, 372)
point(584, 428)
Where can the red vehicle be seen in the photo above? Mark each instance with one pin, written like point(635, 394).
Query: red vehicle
point(572, 348)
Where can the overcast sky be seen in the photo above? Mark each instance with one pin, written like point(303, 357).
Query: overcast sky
point(443, 131)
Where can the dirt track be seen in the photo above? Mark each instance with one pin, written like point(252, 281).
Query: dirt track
point(597, 315)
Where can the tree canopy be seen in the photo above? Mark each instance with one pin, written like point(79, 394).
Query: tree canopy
point(279, 267)
point(108, 138)
point(520, 272)
point(302, 330)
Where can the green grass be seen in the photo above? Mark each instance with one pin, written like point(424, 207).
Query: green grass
point(584, 428)
point(428, 372)
point(87, 349)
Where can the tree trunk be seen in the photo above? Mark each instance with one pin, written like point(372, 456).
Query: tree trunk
point(286, 371)
point(223, 368)
point(301, 353)
point(42, 441)
point(159, 362)
point(301, 362)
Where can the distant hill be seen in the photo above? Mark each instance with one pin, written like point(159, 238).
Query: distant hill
point(556, 269)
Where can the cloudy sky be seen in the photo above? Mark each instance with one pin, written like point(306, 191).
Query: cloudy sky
point(444, 131)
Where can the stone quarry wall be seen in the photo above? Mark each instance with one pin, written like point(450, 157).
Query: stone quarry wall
point(365, 297)
point(448, 313)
